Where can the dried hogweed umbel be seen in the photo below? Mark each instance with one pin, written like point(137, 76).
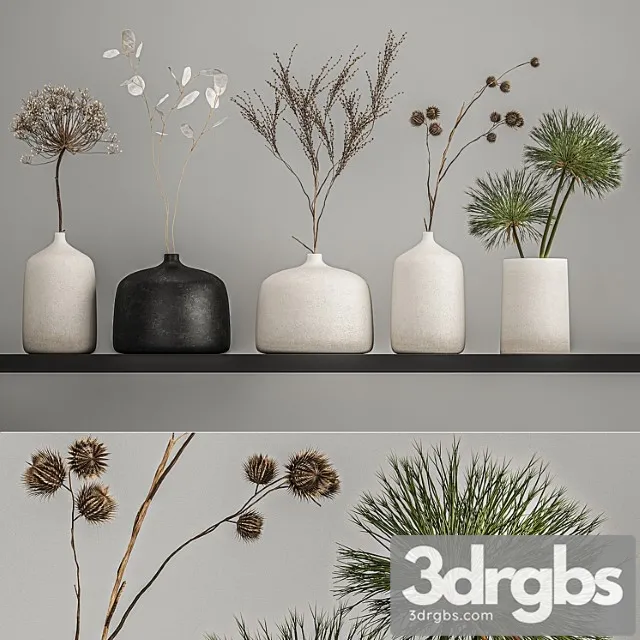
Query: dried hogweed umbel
point(57, 120)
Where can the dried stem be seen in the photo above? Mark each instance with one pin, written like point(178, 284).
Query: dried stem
point(255, 498)
point(58, 196)
point(77, 587)
point(165, 466)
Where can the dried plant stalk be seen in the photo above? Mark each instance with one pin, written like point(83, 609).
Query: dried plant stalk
point(309, 111)
point(161, 473)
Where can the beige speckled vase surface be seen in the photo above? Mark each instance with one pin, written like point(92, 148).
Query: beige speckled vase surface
point(427, 300)
point(59, 305)
point(535, 306)
point(314, 308)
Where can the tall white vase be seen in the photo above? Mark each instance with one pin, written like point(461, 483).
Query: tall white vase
point(314, 308)
point(535, 306)
point(427, 300)
point(59, 304)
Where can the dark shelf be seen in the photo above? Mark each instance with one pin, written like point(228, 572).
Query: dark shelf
point(322, 363)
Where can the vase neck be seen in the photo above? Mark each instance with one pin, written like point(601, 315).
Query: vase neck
point(427, 237)
point(59, 237)
point(171, 257)
point(314, 259)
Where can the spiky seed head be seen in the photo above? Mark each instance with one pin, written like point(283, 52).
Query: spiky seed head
point(505, 86)
point(492, 82)
point(534, 62)
point(95, 504)
point(520, 122)
point(88, 458)
point(495, 117)
point(417, 118)
point(491, 137)
point(433, 112)
point(332, 486)
point(260, 469)
point(435, 129)
point(512, 118)
point(310, 475)
point(249, 526)
point(45, 474)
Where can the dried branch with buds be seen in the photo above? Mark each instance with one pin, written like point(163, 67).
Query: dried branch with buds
point(55, 121)
point(308, 476)
point(309, 111)
point(430, 119)
point(159, 112)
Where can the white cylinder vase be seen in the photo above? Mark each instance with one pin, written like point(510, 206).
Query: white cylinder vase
point(314, 308)
point(59, 303)
point(535, 306)
point(427, 300)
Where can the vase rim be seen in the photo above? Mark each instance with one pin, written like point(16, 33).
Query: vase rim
point(535, 259)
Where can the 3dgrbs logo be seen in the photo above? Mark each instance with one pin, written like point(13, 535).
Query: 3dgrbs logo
point(513, 585)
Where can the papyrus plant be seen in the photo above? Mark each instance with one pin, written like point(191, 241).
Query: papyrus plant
point(308, 476)
point(566, 152)
point(433, 493)
point(160, 110)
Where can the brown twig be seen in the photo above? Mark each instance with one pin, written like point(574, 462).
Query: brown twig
point(77, 587)
point(444, 165)
point(164, 467)
point(255, 498)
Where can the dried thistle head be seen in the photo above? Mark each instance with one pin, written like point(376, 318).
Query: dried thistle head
point(505, 86)
point(45, 474)
point(95, 504)
point(417, 118)
point(534, 62)
point(513, 118)
point(492, 82)
point(260, 469)
point(249, 525)
point(57, 119)
point(310, 476)
point(491, 137)
point(435, 129)
point(495, 117)
point(433, 112)
point(88, 458)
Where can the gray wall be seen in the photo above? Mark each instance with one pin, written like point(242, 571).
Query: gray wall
point(239, 206)
point(219, 577)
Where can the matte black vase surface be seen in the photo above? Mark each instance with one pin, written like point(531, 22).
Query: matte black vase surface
point(171, 308)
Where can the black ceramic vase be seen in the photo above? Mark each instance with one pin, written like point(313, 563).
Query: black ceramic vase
point(171, 308)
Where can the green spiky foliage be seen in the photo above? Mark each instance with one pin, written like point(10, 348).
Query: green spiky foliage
point(568, 151)
point(572, 151)
point(430, 493)
point(322, 625)
point(508, 209)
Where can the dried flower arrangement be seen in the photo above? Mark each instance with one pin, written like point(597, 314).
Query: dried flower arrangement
point(159, 113)
point(567, 150)
point(57, 120)
point(430, 119)
point(430, 493)
point(325, 625)
point(310, 112)
point(308, 476)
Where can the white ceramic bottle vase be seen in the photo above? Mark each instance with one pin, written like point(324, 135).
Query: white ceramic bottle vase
point(427, 300)
point(535, 306)
point(59, 303)
point(314, 308)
